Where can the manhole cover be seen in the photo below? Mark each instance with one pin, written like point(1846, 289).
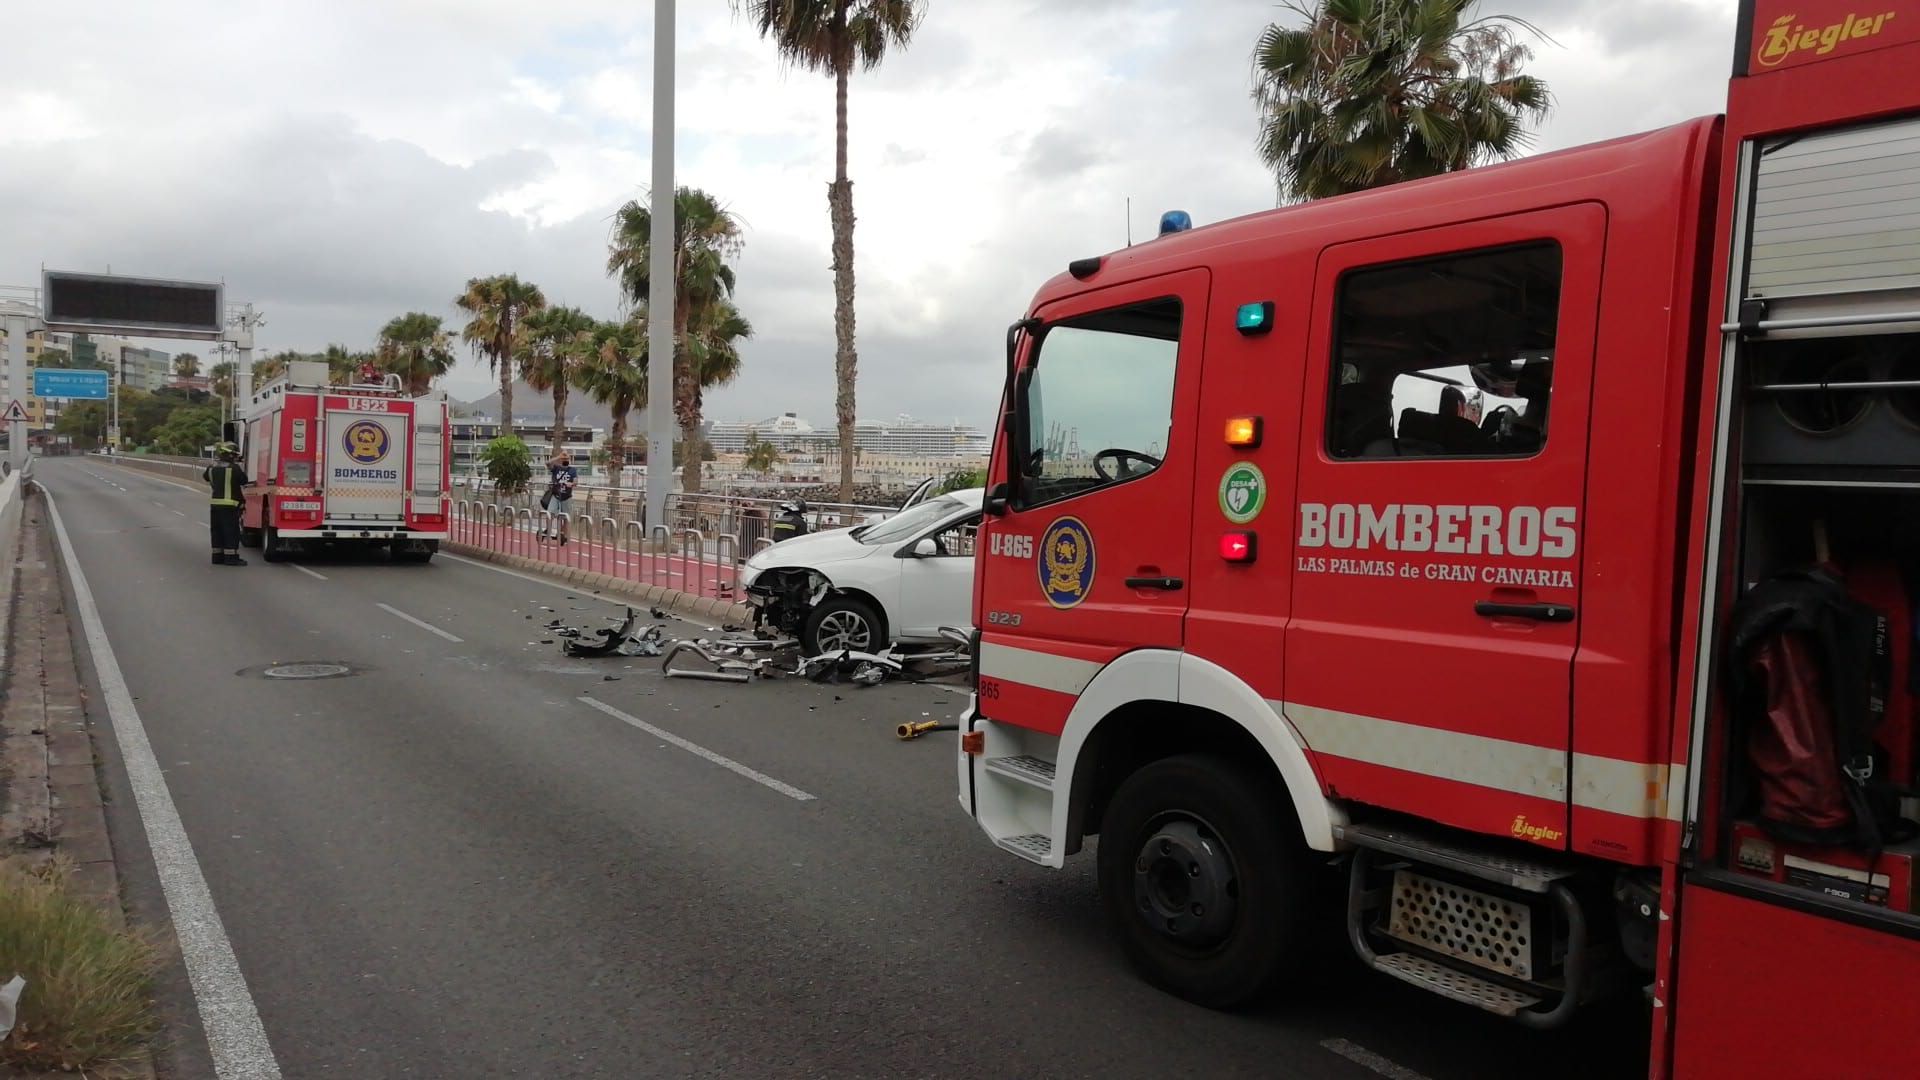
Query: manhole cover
point(306, 671)
point(300, 669)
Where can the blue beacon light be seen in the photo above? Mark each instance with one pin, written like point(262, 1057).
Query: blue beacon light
point(1174, 221)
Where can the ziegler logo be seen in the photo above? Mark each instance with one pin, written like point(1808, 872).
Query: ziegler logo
point(1786, 37)
point(1527, 830)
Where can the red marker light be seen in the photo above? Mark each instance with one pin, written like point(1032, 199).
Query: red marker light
point(1238, 547)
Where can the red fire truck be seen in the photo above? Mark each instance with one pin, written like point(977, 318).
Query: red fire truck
point(1325, 583)
point(358, 464)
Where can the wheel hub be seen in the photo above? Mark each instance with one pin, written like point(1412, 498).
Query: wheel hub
point(1184, 884)
point(843, 630)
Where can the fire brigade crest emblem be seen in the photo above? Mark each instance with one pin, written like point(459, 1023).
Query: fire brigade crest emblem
point(1066, 562)
point(365, 441)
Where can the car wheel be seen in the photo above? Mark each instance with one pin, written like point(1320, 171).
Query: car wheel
point(1203, 879)
point(840, 623)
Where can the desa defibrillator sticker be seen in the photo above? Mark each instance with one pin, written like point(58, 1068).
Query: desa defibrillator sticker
point(1066, 562)
point(1243, 492)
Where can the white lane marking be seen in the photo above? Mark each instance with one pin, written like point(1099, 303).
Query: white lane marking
point(307, 572)
point(234, 1035)
point(697, 750)
point(421, 623)
point(175, 512)
point(1367, 1059)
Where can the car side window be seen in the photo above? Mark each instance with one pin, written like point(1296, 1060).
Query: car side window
point(956, 540)
point(1446, 357)
point(1098, 400)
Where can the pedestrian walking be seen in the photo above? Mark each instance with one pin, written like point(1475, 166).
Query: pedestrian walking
point(561, 478)
point(227, 482)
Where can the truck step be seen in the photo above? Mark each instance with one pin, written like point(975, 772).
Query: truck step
point(1524, 874)
point(1026, 768)
point(1033, 847)
point(1458, 985)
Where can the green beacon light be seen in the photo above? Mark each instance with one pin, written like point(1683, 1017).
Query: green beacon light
point(1254, 318)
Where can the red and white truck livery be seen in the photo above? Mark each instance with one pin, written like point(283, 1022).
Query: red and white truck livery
point(1325, 583)
point(357, 464)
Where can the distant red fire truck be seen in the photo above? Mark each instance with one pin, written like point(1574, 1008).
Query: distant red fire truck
point(362, 464)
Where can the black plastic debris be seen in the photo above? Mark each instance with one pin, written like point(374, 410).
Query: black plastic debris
point(604, 642)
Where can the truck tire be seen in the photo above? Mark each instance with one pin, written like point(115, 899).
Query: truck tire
point(839, 623)
point(272, 549)
point(250, 538)
point(1203, 878)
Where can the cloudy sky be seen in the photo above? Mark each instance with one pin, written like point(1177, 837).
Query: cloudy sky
point(341, 161)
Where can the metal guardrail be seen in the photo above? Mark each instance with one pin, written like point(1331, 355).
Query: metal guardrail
point(699, 562)
point(686, 560)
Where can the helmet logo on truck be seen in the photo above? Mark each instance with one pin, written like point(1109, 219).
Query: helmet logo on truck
point(1066, 562)
point(366, 442)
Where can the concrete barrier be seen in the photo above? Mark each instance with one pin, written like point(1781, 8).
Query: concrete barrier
point(13, 499)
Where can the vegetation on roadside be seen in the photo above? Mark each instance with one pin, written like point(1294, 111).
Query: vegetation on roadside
point(834, 37)
point(88, 1000)
point(961, 480)
point(508, 463)
point(1366, 93)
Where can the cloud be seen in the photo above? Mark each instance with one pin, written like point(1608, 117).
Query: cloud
point(338, 163)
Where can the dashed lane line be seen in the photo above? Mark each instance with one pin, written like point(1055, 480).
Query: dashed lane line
point(309, 573)
point(421, 623)
point(235, 1036)
point(1369, 1060)
point(697, 750)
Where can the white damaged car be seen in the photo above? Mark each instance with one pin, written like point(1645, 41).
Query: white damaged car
point(897, 580)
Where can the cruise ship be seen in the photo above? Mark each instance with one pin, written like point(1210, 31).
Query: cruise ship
point(902, 436)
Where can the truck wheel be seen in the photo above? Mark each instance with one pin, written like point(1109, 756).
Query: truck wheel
point(839, 623)
point(250, 538)
point(272, 548)
point(1202, 878)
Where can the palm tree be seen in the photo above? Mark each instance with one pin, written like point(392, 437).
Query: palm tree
point(414, 347)
point(271, 368)
point(554, 348)
point(343, 364)
point(498, 304)
point(762, 457)
point(713, 359)
point(220, 378)
point(835, 36)
point(616, 376)
point(1372, 92)
point(705, 238)
point(186, 366)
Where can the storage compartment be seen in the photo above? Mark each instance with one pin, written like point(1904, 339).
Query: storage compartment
point(1817, 721)
point(1818, 404)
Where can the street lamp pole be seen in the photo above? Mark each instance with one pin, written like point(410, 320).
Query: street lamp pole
point(661, 283)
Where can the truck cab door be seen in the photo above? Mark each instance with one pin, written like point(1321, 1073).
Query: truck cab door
point(1436, 596)
point(1089, 556)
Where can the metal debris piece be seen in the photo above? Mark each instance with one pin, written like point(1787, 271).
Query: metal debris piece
point(605, 642)
point(719, 667)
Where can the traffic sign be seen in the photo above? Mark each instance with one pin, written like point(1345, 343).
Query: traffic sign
point(15, 411)
point(84, 384)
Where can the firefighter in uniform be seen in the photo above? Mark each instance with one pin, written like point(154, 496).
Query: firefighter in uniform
point(792, 521)
point(226, 479)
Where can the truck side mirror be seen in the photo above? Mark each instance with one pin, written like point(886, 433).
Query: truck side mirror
point(230, 432)
point(996, 501)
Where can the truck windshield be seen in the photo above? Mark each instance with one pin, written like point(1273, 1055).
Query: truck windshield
point(912, 522)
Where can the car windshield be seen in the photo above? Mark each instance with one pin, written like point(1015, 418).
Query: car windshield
point(911, 522)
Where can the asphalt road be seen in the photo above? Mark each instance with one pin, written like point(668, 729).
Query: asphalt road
point(450, 864)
